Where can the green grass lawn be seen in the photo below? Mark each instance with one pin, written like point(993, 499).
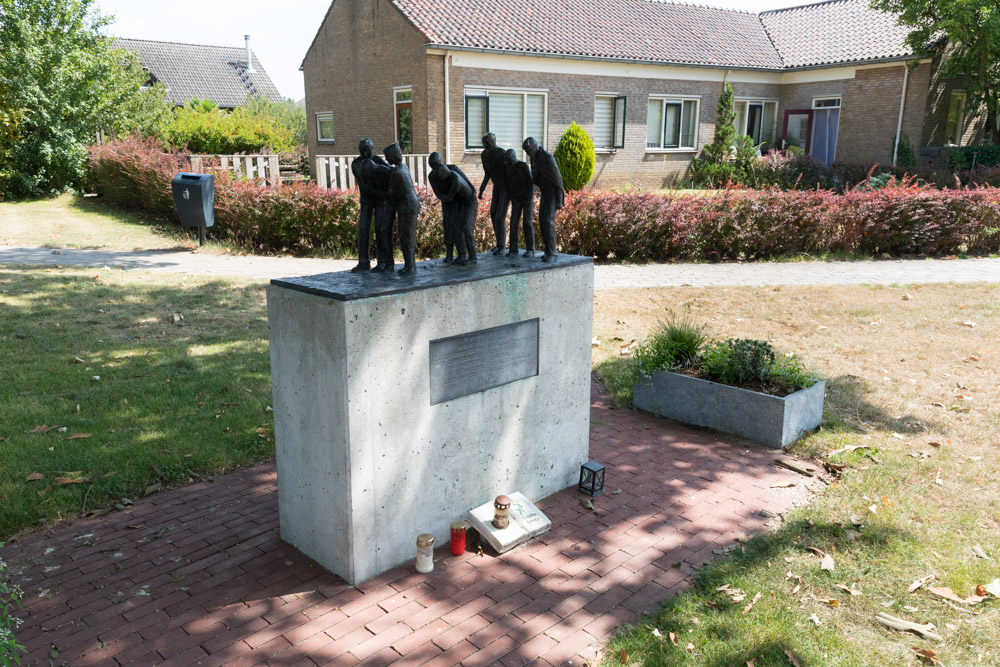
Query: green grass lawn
point(71, 221)
point(176, 398)
point(905, 369)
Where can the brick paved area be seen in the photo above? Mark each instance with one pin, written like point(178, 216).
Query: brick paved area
point(198, 575)
point(873, 272)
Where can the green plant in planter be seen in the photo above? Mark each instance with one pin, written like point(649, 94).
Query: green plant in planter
point(738, 361)
point(675, 346)
point(787, 372)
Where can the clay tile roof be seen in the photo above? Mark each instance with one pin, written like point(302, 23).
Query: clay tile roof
point(635, 30)
point(839, 31)
point(218, 73)
point(659, 31)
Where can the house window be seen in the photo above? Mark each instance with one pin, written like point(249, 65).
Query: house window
point(756, 119)
point(403, 98)
point(609, 122)
point(324, 127)
point(825, 127)
point(512, 115)
point(671, 124)
point(956, 119)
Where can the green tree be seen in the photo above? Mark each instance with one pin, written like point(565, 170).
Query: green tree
point(575, 157)
point(725, 128)
point(61, 81)
point(288, 114)
point(966, 35)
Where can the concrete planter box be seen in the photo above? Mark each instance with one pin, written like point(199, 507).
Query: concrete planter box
point(771, 420)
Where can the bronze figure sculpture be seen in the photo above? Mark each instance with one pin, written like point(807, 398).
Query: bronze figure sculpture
point(368, 200)
point(403, 199)
point(522, 203)
point(545, 174)
point(377, 176)
point(458, 208)
point(361, 167)
point(494, 169)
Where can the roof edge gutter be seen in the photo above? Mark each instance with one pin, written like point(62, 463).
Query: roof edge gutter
point(627, 61)
point(667, 63)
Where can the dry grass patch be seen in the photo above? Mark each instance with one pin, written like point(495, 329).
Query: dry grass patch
point(918, 386)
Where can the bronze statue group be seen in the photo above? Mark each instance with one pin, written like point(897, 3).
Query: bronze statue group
point(387, 194)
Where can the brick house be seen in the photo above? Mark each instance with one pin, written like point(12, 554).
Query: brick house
point(641, 76)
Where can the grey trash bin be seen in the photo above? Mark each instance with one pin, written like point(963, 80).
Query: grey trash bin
point(194, 198)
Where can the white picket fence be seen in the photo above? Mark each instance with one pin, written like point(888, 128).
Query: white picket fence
point(258, 167)
point(334, 171)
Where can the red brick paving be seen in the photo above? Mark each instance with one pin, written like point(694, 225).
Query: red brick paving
point(206, 580)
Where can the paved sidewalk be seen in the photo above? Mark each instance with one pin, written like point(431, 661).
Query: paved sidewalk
point(199, 574)
point(872, 272)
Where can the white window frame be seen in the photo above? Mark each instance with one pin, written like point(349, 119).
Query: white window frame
point(321, 116)
point(817, 100)
point(763, 101)
point(613, 98)
point(395, 113)
point(677, 99)
point(960, 127)
point(484, 91)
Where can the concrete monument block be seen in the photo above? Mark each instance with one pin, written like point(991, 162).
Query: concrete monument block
point(402, 402)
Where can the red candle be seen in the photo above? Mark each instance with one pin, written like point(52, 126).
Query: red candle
point(458, 538)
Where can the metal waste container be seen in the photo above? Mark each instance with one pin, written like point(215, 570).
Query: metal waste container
point(194, 198)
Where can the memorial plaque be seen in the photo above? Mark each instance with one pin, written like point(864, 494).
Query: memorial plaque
point(480, 360)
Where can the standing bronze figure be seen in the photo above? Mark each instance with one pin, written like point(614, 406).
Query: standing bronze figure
point(545, 174)
point(403, 199)
point(522, 203)
point(359, 167)
point(494, 169)
point(459, 205)
point(377, 177)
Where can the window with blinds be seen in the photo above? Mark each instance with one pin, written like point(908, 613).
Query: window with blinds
point(609, 122)
point(511, 115)
point(672, 124)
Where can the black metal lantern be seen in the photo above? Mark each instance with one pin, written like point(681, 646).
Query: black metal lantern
point(591, 478)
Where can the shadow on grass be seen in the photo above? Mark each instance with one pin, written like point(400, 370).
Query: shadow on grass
point(153, 397)
point(724, 634)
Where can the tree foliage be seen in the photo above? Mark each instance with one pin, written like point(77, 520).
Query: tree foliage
point(61, 81)
point(575, 157)
point(966, 35)
point(725, 128)
point(261, 125)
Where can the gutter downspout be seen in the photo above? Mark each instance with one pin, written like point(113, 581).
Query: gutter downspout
point(902, 105)
point(447, 110)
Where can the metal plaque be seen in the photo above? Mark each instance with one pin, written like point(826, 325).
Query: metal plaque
point(484, 359)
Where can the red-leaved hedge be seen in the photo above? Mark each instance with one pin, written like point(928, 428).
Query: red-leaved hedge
point(904, 219)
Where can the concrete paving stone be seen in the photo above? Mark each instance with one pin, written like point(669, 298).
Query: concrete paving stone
point(591, 573)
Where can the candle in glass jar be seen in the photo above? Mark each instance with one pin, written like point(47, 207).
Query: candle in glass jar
point(458, 538)
point(425, 553)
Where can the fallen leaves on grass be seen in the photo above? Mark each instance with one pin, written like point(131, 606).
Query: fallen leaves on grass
point(793, 658)
point(751, 603)
point(623, 657)
point(63, 481)
point(47, 488)
point(979, 553)
point(847, 450)
point(993, 588)
point(847, 589)
point(815, 619)
point(78, 436)
point(948, 594)
point(920, 582)
point(33, 477)
point(673, 638)
point(43, 429)
point(928, 655)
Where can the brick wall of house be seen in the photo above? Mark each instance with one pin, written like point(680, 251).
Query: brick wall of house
point(936, 116)
point(571, 98)
point(869, 110)
point(362, 50)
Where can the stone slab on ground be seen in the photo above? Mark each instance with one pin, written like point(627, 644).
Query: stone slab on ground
point(526, 522)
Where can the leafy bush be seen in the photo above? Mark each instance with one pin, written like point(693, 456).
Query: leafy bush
point(987, 155)
point(905, 157)
point(676, 345)
point(204, 129)
point(903, 218)
point(10, 601)
point(62, 80)
point(737, 361)
point(575, 157)
point(790, 374)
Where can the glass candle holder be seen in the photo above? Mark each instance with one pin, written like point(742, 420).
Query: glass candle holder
point(425, 553)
